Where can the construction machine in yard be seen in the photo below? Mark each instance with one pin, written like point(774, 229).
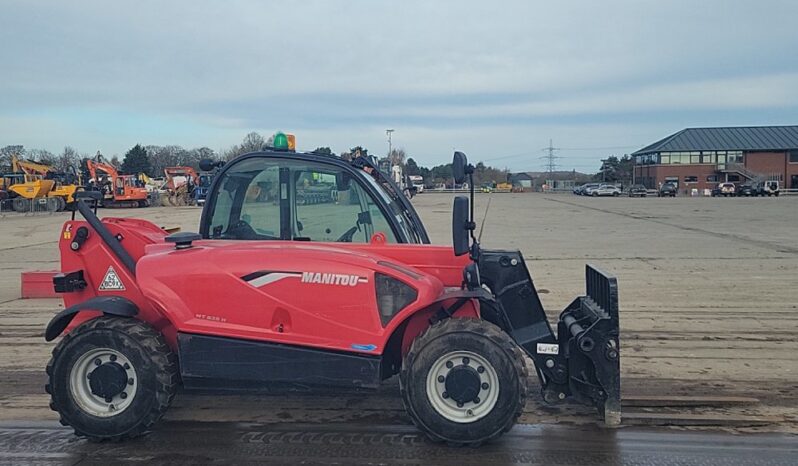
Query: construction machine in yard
point(180, 185)
point(116, 190)
point(61, 193)
point(25, 192)
point(274, 294)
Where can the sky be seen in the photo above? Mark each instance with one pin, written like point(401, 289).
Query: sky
point(497, 80)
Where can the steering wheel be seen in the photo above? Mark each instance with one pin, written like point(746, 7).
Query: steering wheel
point(348, 235)
point(242, 230)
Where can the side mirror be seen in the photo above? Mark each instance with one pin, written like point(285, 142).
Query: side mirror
point(208, 165)
point(459, 165)
point(460, 226)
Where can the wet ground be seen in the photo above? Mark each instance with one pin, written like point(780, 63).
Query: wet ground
point(347, 444)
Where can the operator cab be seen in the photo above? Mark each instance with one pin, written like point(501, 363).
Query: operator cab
point(284, 195)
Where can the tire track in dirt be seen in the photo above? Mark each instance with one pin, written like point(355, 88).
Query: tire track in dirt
point(732, 237)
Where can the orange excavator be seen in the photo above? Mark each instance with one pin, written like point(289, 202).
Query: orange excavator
point(180, 185)
point(118, 190)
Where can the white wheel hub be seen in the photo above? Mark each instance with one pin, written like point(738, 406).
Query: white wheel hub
point(462, 386)
point(103, 382)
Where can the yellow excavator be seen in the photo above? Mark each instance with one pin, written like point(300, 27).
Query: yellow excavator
point(34, 183)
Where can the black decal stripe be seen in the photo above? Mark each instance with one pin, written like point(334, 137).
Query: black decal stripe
point(252, 276)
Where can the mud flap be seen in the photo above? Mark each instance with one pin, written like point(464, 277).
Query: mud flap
point(588, 332)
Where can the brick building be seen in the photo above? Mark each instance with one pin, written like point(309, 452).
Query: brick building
point(703, 157)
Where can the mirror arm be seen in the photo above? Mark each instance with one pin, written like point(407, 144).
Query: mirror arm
point(472, 226)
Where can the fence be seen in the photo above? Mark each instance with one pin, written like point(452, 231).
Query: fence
point(44, 205)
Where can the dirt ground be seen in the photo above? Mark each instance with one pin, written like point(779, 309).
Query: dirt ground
point(708, 300)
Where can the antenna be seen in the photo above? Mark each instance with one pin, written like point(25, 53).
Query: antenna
point(484, 217)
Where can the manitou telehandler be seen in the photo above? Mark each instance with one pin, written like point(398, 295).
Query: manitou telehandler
point(277, 294)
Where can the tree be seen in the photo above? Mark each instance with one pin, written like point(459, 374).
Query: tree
point(323, 151)
point(252, 142)
point(358, 150)
point(136, 161)
point(6, 153)
point(412, 168)
point(67, 161)
point(42, 156)
point(397, 156)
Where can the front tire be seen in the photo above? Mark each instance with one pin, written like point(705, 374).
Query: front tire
point(464, 382)
point(111, 378)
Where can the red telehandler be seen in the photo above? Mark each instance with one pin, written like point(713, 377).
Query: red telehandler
point(341, 294)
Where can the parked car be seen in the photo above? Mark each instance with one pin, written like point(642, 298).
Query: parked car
point(667, 190)
point(582, 190)
point(745, 190)
point(606, 190)
point(587, 190)
point(766, 188)
point(725, 190)
point(638, 190)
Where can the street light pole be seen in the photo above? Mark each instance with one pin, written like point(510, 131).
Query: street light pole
point(389, 132)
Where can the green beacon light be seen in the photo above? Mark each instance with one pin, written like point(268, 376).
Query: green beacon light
point(280, 141)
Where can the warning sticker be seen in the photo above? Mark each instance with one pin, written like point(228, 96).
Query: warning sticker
point(111, 282)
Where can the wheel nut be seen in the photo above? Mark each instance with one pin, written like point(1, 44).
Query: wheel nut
point(445, 395)
point(130, 381)
point(561, 396)
point(459, 405)
point(123, 395)
point(108, 399)
point(485, 385)
point(466, 361)
point(470, 413)
point(97, 362)
point(480, 369)
point(477, 400)
point(449, 364)
point(126, 366)
point(112, 357)
point(441, 379)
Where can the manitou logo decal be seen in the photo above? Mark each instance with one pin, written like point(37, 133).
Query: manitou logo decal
point(332, 279)
point(263, 277)
point(111, 282)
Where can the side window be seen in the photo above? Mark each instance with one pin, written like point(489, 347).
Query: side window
point(333, 208)
point(247, 204)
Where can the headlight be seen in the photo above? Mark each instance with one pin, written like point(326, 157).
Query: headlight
point(392, 296)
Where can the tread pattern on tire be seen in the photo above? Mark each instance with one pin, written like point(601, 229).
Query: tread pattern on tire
point(162, 356)
point(481, 328)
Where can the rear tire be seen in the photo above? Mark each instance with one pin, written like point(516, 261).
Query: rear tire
point(122, 396)
point(482, 366)
point(20, 204)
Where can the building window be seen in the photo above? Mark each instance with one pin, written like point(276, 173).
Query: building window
point(691, 179)
point(695, 157)
point(735, 156)
point(712, 178)
point(665, 158)
point(734, 178)
point(794, 156)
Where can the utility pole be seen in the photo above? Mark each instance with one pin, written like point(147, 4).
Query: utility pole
point(389, 133)
point(551, 160)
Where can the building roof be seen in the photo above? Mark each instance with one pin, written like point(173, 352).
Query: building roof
point(749, 138)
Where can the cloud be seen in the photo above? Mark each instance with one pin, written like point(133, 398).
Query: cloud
point(205, 73)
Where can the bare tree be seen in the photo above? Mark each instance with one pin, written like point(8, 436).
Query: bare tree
point(68, 160)
point(6, 153)
point(252, 142)
point(397, 156)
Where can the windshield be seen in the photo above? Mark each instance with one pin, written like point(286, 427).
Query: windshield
point(205, 181)
point(407, 225)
